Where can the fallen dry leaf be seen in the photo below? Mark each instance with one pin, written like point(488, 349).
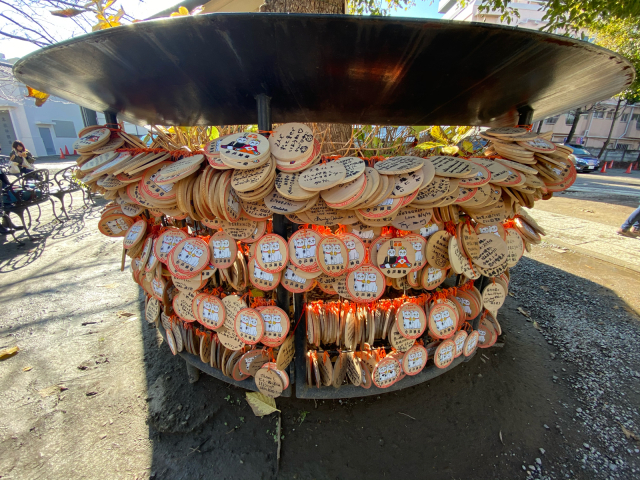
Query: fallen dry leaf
point(8, 352)
point(501, 437)
point(52, 390)
point(109, 285)
point(629, 434)
point(546, 289)
point(26, 369)
point(261, 404)
point(124, 313)
point(523, 312)
point(535, 325)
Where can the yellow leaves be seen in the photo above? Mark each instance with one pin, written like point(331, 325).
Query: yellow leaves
point(40, 97)
point(438, 133)
point(182, 11)
point(261, 404)
point(450, 150)
point(10, 352)
point(467, 146)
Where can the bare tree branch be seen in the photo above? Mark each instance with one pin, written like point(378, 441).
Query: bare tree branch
point(25, 39)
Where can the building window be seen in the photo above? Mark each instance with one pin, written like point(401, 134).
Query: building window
point(64, 129)
point(552, 120)
point(609, 115)
point(622, 146)
point(598, 114)
point(624, 118)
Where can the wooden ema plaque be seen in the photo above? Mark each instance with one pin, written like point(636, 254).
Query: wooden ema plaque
point(432, 277)
point(223, 250)
point(244, 150)
point(260, 278)
point(414, 360)
point(386, 373)
point(189, 258)
point(171, 341)
point(459, 339)
point(269, 382)
point(332, 256)
point(291, 142)
point(419, 245)
point(115, 225)
point(303, 245)
point(412, 219)
point(211, 312)
point(471, 343)
point(411, 320)
point(152, 310)
point(399, 165)
point(183, 305)
point(396, 257)
point(252, 360)
point(92, 139)
point(443, 320)
point(355, 250)
point(445, 353)
point(135, 234)
point(365, 284)
point(515, 247)
point(322, 177)
point(276, 326)
point(438, 249)
point(272, 253)
point(293, 281)
point(249, 326)
point(493, 251)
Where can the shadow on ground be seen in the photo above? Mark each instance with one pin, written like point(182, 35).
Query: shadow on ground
point(484, 419)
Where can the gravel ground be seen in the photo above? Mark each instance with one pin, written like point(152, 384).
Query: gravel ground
point(598, 338)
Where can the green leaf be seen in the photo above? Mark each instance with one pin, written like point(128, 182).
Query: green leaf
point(439, 134)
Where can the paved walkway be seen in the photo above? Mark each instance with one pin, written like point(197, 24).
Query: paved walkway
point(589, 238)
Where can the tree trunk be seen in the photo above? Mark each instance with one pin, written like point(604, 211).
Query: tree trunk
point(332, 136)
point(613, 124)
point(576, 119)
point(304, 6)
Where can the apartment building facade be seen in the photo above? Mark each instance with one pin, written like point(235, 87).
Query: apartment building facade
point(594, 125)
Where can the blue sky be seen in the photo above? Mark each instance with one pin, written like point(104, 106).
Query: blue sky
point(423, 9)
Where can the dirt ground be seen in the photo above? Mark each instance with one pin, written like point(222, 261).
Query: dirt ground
point(94, 393)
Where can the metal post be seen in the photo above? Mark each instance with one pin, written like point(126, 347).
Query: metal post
point(526, 115)
point(111, 119)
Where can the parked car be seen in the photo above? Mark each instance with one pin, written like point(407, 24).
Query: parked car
point(583, 160)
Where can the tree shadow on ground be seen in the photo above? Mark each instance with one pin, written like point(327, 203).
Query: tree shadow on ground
point(14, 256)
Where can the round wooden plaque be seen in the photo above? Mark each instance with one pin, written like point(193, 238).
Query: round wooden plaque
point(249, 326)
point(272, 253)
point(386, 373)
point(135, 234)
point(332, 256)
point(303, 247)
point(443, 319)
point(445, 354)
point(396, 257)
point(471, 343)
point(365, 284)
point(189, 257)
point(276, 326)
point(438, 249)
point(459, 339)
point(411, 320)
point(211, 312)
point(414, 360)
point(223, 250)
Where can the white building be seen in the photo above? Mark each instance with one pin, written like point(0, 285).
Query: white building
point(44, 130)
point(593, 127)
